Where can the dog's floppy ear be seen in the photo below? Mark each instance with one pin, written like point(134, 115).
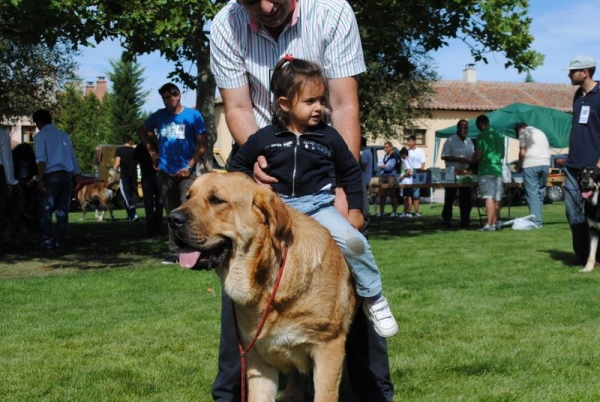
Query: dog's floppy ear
point(274, 211)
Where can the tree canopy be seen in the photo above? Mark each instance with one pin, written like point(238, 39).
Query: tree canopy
point(86, 119)
point(126, 99)
point(31, 76)
point(396, 38)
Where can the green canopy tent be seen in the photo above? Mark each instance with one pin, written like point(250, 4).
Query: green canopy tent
point(554, 123)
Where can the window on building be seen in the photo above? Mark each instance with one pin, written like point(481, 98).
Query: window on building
point(419, 133)
point(27, 133)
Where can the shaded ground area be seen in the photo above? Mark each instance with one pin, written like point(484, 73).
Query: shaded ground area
point(91, 245)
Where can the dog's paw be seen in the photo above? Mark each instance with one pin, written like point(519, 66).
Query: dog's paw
point(587, 268)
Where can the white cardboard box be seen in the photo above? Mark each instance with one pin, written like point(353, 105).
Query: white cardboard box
point(439, 175)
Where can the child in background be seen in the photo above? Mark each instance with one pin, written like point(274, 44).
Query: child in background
point(305, 154)
point(406, 178)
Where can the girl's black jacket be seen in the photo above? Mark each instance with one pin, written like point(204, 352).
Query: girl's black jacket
point(303, 164)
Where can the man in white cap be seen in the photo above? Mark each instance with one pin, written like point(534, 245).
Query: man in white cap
point(584, 147)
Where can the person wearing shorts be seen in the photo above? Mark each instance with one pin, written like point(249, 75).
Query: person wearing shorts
point(489, 154)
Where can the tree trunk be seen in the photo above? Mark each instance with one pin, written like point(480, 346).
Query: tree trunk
point(205, 95)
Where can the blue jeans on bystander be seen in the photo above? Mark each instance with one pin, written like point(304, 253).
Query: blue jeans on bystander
point(56, 199)
point(534, 182)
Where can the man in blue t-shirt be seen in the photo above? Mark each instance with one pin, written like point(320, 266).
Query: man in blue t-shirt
point(180, 134)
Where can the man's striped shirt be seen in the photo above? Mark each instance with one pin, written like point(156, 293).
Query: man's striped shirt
point(242, 52)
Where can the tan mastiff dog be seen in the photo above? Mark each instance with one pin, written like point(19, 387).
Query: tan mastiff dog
point(242, 230)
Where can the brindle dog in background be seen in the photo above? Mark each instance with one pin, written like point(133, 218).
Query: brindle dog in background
point(96, 193)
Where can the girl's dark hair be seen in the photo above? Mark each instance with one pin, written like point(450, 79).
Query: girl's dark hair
point(289, 76)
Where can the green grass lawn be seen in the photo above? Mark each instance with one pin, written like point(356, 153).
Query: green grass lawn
point(497, 316)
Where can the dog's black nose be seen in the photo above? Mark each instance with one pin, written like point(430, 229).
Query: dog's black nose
point(177, 218)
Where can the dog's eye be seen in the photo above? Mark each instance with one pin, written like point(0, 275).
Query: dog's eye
point(215, 200)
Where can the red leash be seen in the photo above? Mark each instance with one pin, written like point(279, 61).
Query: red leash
point(244, 350)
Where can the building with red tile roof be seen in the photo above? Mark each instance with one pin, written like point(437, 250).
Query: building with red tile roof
point(455, 100)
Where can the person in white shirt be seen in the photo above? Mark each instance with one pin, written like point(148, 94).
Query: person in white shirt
point(416, 159)
point(406, 177)
point(457, 153)
point(534, 160)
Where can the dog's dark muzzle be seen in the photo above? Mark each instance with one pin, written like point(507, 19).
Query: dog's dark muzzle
point(177, 219)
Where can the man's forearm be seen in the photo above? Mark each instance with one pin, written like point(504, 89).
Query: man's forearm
point(41, 168)
point(239, 114)
point(201, 148)
point(241, 125)
point(345, 111)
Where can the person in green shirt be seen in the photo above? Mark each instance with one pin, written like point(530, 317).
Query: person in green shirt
point(489, 153)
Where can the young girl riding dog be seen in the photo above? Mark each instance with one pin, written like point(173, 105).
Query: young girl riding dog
point(305, 155)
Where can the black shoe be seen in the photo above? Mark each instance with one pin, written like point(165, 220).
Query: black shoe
point(171, 259)
point(447, 225)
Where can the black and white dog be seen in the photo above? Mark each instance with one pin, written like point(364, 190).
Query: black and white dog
point(589, 184)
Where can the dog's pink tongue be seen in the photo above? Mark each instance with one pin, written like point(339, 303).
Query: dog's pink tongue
point(188, 257)
point(586, 194)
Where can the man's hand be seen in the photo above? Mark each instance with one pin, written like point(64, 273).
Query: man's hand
point(183, 173)
point(154, 156)
point(356, 219)
point(259, 173)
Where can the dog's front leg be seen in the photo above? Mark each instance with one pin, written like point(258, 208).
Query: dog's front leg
point(591, 261)
point(262, 379)
point(329, 360)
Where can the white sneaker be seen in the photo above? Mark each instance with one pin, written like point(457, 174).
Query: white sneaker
point(406, 215)
point(488, 228)
point(416, 214)
point(380, 315)
point(394, 215)
point(378, 215)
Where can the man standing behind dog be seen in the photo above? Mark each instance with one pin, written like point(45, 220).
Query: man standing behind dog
point(584, 148)
point(457, 153)
point(489, 154)
point(56, 166)
point(248, 38)
point(534, 159)
point(181, 144)
point(128, 180)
